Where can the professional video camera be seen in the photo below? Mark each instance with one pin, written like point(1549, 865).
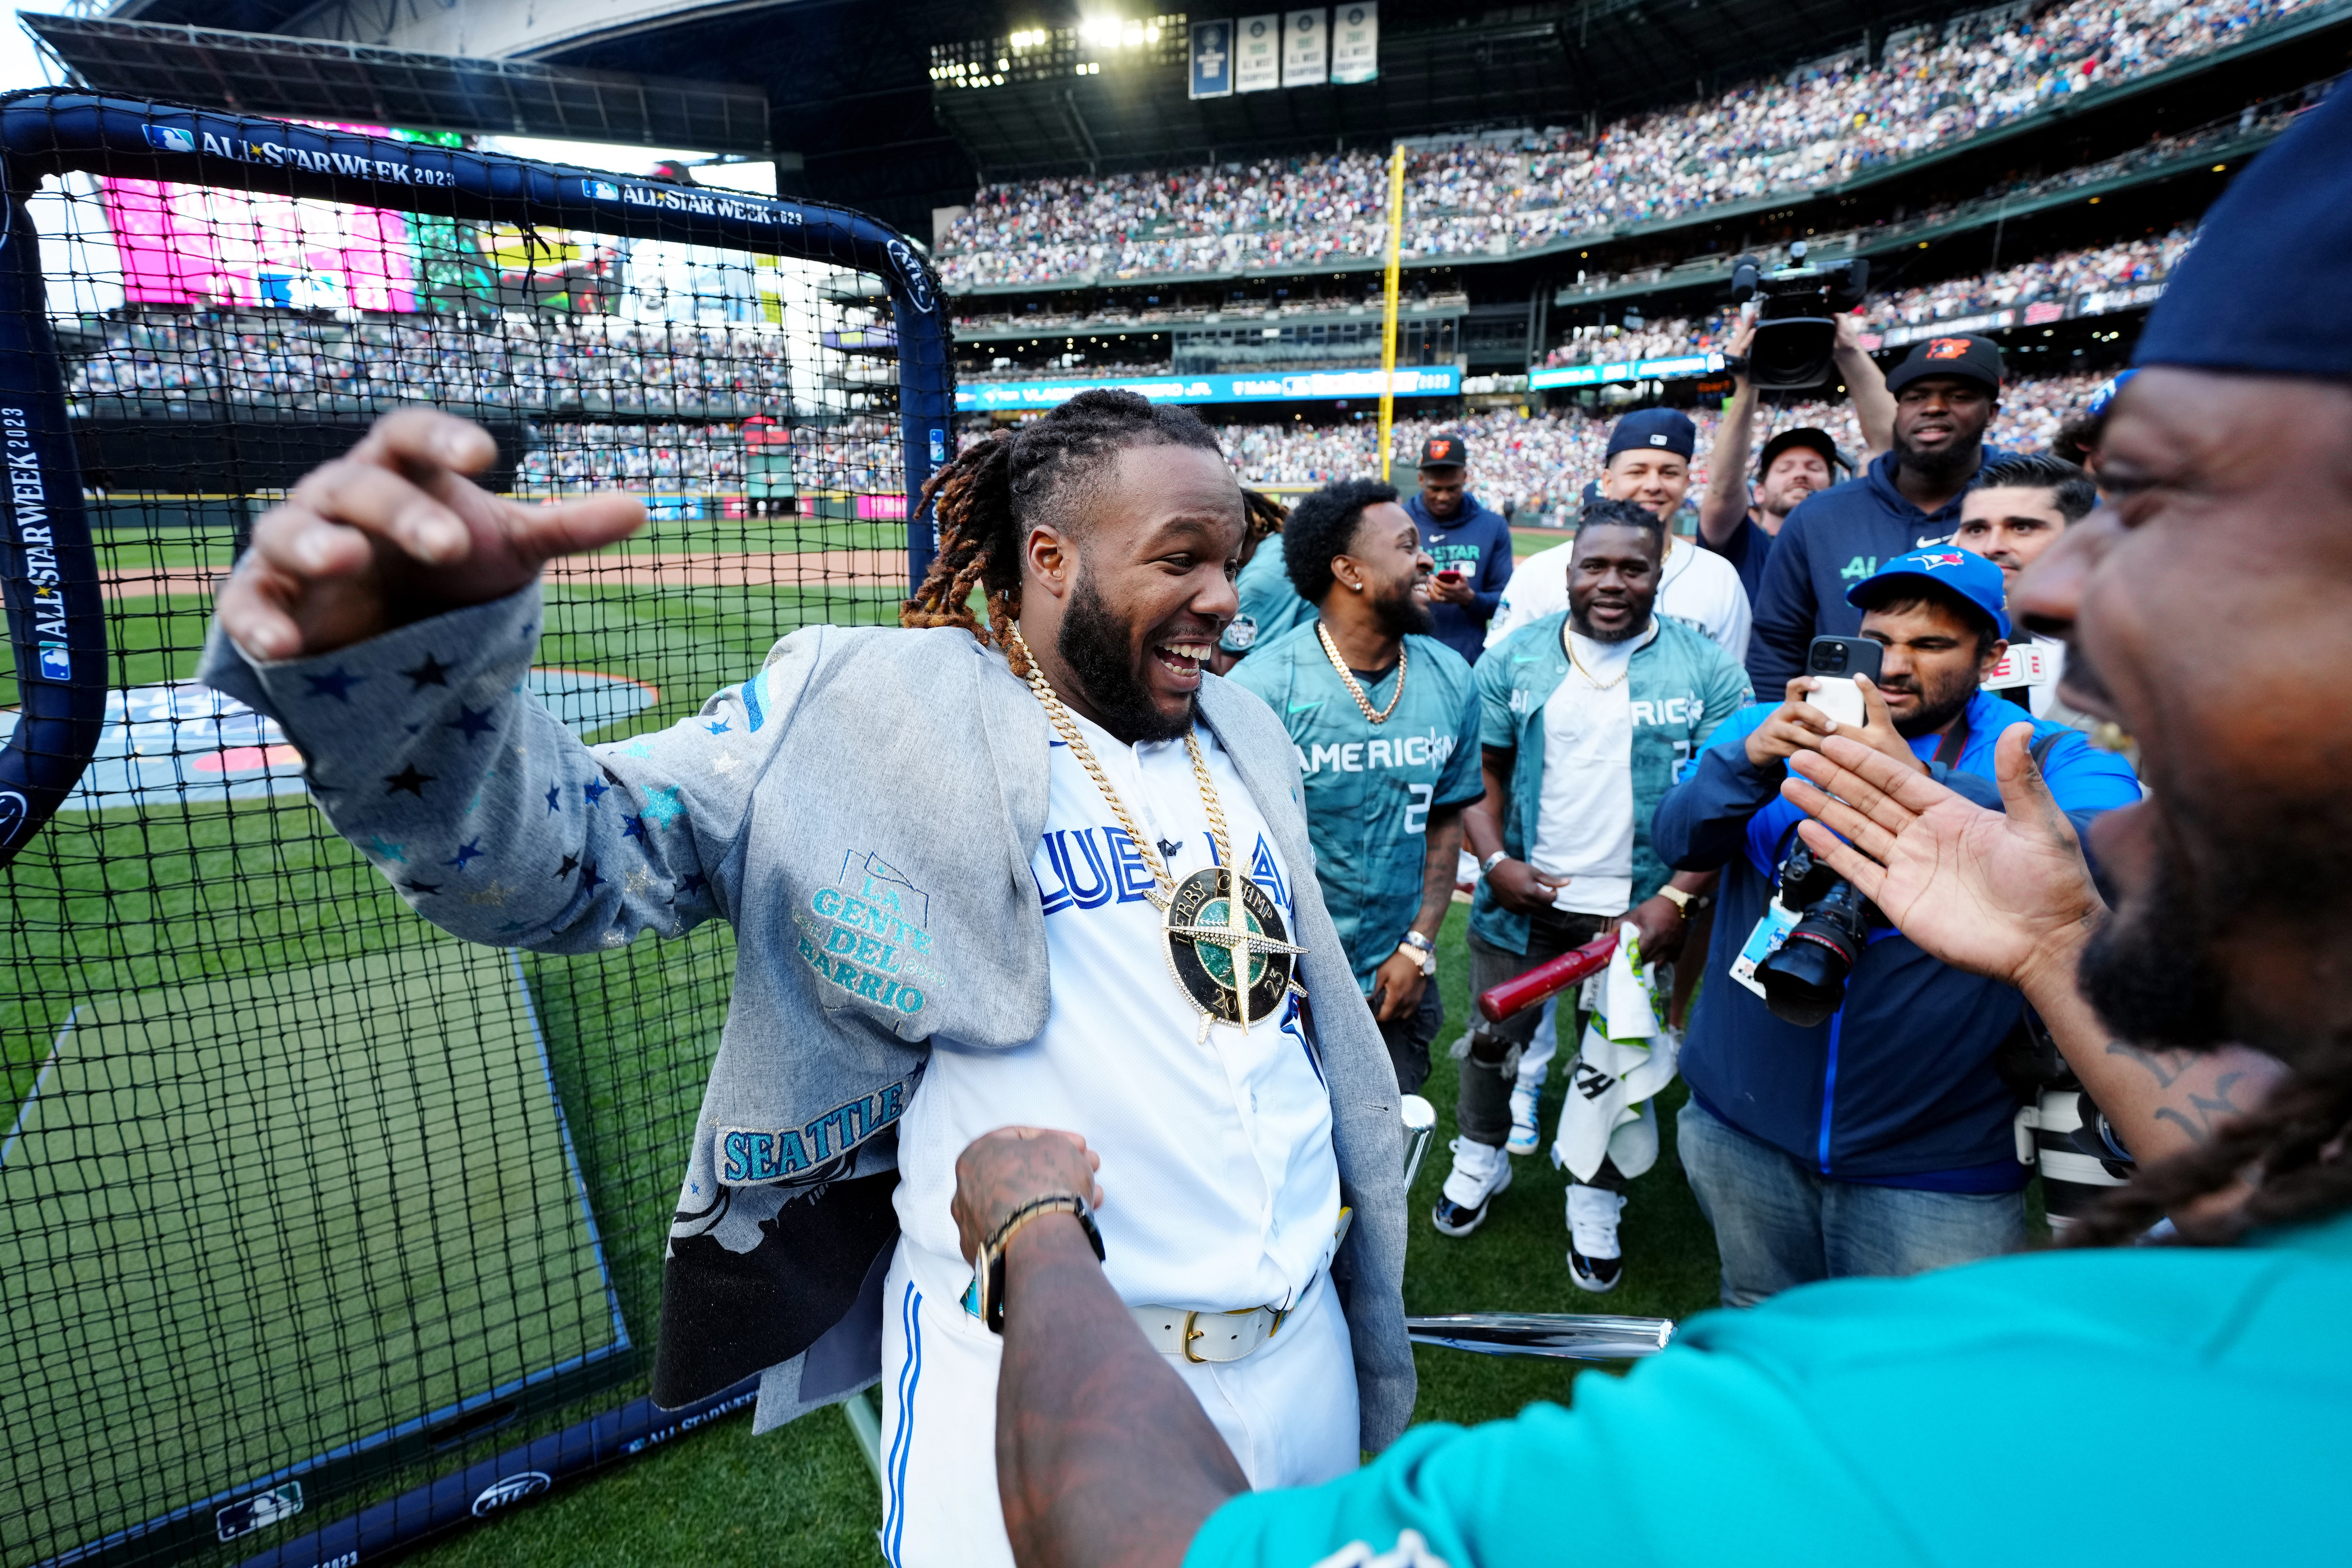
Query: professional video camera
point(1796, 315)
point(1804, 979)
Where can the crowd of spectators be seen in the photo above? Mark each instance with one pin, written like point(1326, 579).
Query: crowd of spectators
point(303, 362)
point(1490, 196)
point(1534, 468)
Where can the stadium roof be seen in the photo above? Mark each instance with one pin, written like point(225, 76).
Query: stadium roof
point(319, 78)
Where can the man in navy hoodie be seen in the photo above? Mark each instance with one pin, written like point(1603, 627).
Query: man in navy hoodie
point(1879, 1141)
point(1471, 545)
point(1946, 393)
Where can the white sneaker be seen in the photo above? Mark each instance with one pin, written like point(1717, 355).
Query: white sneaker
point(1480, 1171)
point(1595, 1262)
point(1524, 1137)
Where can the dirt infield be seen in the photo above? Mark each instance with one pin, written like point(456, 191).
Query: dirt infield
point(681, 569)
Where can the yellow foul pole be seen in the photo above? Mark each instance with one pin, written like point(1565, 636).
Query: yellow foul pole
point(1389, 305)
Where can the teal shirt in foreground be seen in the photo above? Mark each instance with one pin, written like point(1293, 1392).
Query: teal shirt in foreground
point(1370, 787)
point(2152, 1406)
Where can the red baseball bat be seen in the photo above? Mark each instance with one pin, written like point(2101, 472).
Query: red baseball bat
point(1547, 979)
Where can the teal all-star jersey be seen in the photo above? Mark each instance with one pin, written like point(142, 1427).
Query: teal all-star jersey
point(1370, 787)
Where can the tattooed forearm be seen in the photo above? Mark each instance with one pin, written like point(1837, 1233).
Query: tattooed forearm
point(2199, 1117)
point(2165, 1067)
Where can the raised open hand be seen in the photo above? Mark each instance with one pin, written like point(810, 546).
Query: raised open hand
point(394, 531)
point(1999, 895)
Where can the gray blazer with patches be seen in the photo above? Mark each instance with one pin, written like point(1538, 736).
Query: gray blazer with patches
point(863, 811)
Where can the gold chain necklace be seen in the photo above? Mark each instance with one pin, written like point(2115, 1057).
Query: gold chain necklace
point(1568, 641)
point(1226, 942)
point(1331, 652)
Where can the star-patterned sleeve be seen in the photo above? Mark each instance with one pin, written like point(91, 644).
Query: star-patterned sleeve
point(426, 749)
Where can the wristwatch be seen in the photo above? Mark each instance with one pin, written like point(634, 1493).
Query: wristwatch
point(1423, 950)
point(1688, 904)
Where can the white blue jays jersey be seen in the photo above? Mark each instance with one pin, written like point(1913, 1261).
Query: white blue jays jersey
point(1219, 1184)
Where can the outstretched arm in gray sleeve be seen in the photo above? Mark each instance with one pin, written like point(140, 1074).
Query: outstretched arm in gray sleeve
point(428, 750)
point(386, 615)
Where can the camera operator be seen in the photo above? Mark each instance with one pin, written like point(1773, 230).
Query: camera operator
point(1946, 393)
point(1740, 525)
point(2020, 504)
point(1587, 716)
point(1648, 463)
point(1880, 1140)
point(1847, 1423)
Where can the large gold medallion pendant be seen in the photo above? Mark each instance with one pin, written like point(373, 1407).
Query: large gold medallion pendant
point(1235, 972)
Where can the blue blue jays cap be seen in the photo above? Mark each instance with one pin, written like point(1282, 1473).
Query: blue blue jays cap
point(1947, 568)
point(1654, 430)
point(2267, 287)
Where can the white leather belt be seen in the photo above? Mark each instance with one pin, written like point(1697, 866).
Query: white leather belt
point(1216, 1337)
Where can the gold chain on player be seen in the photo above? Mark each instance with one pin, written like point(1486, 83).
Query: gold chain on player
point(1349, 676)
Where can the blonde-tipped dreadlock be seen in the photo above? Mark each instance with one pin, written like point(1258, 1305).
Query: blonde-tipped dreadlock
point(1267, 515)
point(985, 498)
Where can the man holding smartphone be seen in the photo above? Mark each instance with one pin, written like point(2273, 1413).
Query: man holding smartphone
point(1880, 1140)
point(1470, 545)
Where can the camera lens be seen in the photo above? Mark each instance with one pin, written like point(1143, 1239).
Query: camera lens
point(1804, 982)
point(1828, 656)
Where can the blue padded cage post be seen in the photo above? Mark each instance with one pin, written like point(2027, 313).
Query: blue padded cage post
point(56, 130)
point(48, 571)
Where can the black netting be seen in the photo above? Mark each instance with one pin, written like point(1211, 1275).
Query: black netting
point(296, 1192)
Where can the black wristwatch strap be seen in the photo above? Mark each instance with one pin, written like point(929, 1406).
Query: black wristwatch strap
point(990, 1272)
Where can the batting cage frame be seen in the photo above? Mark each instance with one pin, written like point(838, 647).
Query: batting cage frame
point(57, 616)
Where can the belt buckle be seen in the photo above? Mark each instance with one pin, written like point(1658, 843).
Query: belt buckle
point(1190, 1334)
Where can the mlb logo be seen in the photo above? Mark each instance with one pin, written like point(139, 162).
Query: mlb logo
point(56, 664)
point(1948, 348)
point(169, 138)
point(255, 1512)
point(601, 190)
point(1657, 440)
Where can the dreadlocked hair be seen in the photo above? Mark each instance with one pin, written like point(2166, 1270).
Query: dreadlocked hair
point(1267, 515)
point(2292, 1148)
point(985, 500)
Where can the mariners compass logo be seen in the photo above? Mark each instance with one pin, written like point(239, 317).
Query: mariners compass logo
point(1233, 963)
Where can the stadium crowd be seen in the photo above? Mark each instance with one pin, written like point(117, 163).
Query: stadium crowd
point(1490, 196)
point(1533, 467)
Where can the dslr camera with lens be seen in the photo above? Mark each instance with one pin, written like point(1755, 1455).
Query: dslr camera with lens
point(1796, 315)
point(1804, 979)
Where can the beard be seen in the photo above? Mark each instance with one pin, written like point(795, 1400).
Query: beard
point(1098, 646)
point(1937, 707)
point(1402, 614)
point(1631, 629)
point(2150, 975)
point(1956, 461)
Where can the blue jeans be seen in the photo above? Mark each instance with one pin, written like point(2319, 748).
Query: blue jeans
point(1779, 1223)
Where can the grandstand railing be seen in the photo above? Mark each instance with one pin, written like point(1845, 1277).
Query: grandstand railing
point(55, 612)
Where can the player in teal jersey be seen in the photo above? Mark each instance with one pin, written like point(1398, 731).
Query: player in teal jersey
point(1385, 718)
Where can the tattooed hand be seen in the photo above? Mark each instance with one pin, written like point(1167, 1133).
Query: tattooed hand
point(1002, 1170)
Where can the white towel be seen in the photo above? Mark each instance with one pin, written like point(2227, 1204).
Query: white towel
point(1627, 1055)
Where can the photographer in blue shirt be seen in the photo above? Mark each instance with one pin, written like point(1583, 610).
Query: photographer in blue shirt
point(1880, 1140)
point(1386, 724)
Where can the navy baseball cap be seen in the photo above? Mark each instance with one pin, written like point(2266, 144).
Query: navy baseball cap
point(1802, 436)
point(1444, 452)
point(2267, 287)
point(1654, 430)
point(1964, 355)
point(1944, 566)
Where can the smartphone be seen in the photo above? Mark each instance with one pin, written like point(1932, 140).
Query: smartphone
point(1451, 576)
point(1834, 662)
